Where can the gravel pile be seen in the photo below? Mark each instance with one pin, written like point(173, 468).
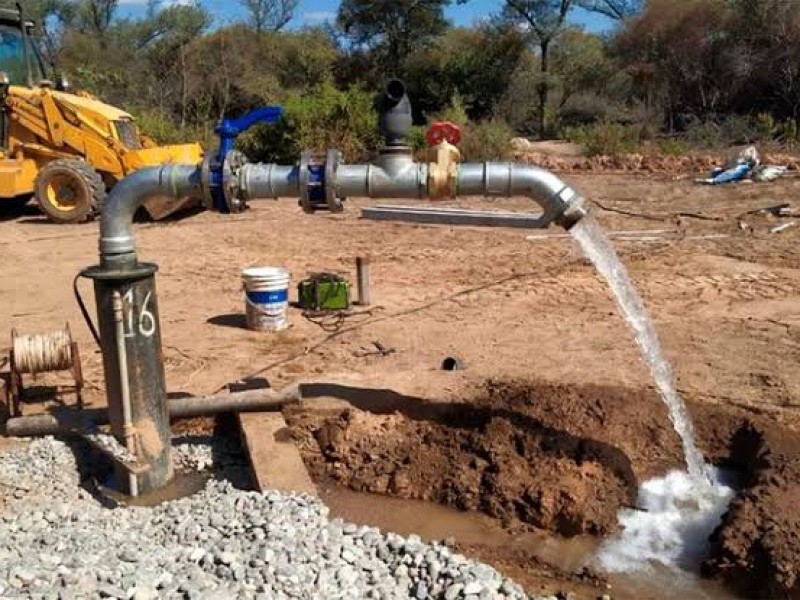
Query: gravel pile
point(203, 452)
point(57, 541)
point(110, 444)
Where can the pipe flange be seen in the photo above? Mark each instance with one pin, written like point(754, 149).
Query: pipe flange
point(332, 162)
point(302, 177)
point(234, 161)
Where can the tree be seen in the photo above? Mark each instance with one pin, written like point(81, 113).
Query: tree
point(95, 17)
point(269, 15)
point(392, 28)
point(474, 64)
point(613, 9)
point(544, 20)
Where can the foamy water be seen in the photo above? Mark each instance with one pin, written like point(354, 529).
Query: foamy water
point(597, 248)
point(672, 528)
point(677, 512)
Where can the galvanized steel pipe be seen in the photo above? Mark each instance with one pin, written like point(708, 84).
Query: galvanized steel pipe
point(117, 246)
point(399, 177)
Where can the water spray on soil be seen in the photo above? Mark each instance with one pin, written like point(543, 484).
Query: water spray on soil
point(679, 511)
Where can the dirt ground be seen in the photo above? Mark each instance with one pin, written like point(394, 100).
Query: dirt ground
point(726, 303)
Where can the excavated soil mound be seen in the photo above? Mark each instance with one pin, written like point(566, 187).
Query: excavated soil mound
point(756, 548)
point(565, 459)
point(646, 163)
point(499, 462)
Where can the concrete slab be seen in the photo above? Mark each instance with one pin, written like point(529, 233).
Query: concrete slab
point(274, 459)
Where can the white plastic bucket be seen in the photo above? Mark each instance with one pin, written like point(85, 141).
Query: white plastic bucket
point(266, 298)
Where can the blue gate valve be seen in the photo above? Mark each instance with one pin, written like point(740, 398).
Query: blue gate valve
point(218, 168)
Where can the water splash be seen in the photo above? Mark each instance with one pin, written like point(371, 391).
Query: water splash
point(599, 250)
point(675, 518)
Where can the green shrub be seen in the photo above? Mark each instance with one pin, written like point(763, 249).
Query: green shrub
point(790, 132)
point(319, 119)
point(606, 139)
point(416, 140)
point(583, 109)
point(737, 129)
point(455, 113)
point(673, 147)
point(161, 128)
point(705, 134)
point(765, 127)
point(486, 140)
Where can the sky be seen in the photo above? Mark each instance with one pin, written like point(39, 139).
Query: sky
point(315, 12)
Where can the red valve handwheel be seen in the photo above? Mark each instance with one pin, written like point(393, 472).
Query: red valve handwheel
point(443, 131)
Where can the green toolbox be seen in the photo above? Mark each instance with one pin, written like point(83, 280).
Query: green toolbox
point(323, 292)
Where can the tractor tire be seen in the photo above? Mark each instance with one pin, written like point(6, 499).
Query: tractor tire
point(69, 190)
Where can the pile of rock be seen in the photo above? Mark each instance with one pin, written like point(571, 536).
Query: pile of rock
point(58, 541)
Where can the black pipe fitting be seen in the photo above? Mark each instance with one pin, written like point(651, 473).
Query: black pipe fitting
point(394, 110)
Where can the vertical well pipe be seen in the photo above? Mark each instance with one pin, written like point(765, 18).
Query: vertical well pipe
point(144, 376)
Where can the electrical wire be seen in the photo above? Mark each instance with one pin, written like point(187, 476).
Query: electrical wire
point(84, 312)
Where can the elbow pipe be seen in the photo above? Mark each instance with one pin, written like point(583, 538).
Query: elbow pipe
point(117, 246)
point(560, 202)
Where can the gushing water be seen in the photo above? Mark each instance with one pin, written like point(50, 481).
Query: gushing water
point(599, 250)
point(670, 526)
point(676, 512)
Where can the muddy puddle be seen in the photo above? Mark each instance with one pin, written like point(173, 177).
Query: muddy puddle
point(181, 486)
point(550, 555)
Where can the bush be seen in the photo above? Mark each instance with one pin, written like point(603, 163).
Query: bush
point(455, 113)
point(705, 134)
point(673, 147)
point(487, 140)
point(583, 109)
point(320, 119)
point(606, 139)
point(737, 129)
point(789, 132)
point(765, 127)
point(161, 129)
point(417, 142)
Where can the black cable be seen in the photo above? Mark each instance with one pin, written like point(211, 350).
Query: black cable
point(85, 312)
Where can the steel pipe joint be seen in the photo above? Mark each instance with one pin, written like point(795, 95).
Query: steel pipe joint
point(116, 243)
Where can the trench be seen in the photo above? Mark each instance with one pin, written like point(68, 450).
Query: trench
point(531, 478)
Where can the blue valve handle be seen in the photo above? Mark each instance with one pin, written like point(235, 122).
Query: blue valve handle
point(228, 130)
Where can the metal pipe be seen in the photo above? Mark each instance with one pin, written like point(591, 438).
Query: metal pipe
point(71, 421)
point(127, 419)
point(235, 402)
point(398, 176)
point(117, 246)
point(559, 201)
point(269, 181)
point(453, 216)
point(362, 276)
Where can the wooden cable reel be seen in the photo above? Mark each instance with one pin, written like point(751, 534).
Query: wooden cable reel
point(42, 353)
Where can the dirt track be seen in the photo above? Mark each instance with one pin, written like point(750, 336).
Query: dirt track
point(726, 303)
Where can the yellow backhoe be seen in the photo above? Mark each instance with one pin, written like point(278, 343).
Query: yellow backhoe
point(66, 150)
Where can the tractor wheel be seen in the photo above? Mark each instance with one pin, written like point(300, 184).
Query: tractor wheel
point(69, 191)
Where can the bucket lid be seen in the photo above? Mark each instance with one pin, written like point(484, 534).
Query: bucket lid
point(264, 272)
